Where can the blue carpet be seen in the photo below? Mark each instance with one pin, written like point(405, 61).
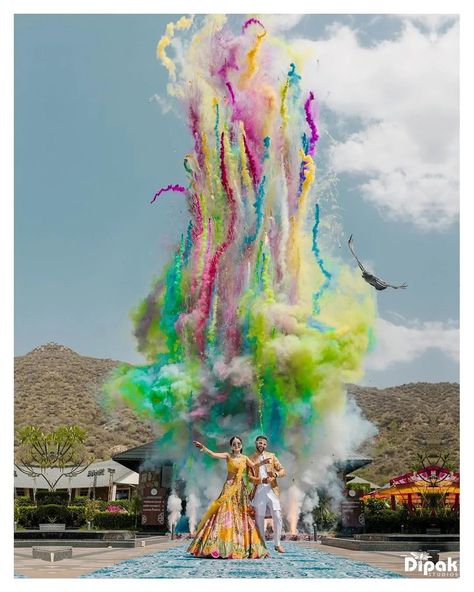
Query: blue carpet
point(297, 562)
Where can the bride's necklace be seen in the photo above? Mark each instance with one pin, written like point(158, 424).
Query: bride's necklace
point(236, 455)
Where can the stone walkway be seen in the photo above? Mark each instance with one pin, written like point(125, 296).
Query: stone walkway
point(390, 560)
point(84, 560)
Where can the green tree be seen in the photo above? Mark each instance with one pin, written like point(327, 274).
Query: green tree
point(91, 508)
point(16, 510)
point(135, 506)
point(323, 516)
point(62, 448)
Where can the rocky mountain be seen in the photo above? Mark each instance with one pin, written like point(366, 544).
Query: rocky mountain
point(411, 418)
point(55, 386)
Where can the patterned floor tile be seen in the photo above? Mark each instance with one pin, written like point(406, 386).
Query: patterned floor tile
point(297, 562)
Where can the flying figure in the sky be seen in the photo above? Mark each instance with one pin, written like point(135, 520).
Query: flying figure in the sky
point(374, 281)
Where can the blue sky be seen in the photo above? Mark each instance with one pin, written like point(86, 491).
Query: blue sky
point(94, 141)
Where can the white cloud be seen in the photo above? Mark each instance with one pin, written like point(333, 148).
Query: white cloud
point(401, 343)
point(280, 22)
point(433, 23)
point(403, 94)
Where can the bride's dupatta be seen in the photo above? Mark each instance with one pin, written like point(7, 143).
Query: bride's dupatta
point(224, 497)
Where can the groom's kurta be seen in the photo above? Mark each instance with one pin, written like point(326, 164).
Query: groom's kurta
point(269, 491)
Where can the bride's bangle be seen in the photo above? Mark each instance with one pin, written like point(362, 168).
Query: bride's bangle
point(203, 449)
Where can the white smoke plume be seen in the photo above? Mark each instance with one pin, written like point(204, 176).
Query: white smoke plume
point(174, 508)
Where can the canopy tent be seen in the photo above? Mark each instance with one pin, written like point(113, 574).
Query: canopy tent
point(412, 488)
point(355, 479)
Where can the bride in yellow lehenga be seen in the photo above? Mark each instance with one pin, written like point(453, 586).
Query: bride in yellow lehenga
point(228, 528)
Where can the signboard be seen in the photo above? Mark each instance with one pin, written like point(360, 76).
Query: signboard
point(351, 510)
point(154, 499)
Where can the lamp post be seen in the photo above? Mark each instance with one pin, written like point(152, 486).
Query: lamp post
point(111, 483)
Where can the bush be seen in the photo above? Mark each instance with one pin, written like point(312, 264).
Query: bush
point(384, 521)
point(79, 500)
point(54, 513)
point(16, 510)
point(101, 504)
point(52, 498)
point(91, 507)
point(373, 505)
point(77, 518)
point(446, 519)
point(23, 500)
point(26, 516)
point(114, 520)
point(125, 504)
point(32, 516)
point(379, 518)
point(114, 508)
point(449, 521)
point(419, 520)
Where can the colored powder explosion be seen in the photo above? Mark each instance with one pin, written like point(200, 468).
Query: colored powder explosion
point(251, 328)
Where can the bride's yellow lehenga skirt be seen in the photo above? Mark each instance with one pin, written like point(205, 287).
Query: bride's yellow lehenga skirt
point(229, 531)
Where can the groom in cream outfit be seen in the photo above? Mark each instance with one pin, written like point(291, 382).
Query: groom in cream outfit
point(265, 489)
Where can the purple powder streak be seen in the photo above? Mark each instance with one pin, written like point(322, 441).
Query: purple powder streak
point(229, 86)
point(229, 64)
point(251, 161)
point(179, 188)
point(309, 118)
point(252, 21)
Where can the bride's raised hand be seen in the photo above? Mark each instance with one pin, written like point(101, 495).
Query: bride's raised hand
point(198, 444)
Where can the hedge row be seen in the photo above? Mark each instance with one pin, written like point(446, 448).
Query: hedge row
point(61, 498)
point(72, 516)
point(32, 516)
point(48, 498)
point(102, 504)
point(381, 519)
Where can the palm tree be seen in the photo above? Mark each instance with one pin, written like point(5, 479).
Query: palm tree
point(323, 516)
point(135, 506)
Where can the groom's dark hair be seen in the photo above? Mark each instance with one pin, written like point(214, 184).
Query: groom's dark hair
point(261, 438)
